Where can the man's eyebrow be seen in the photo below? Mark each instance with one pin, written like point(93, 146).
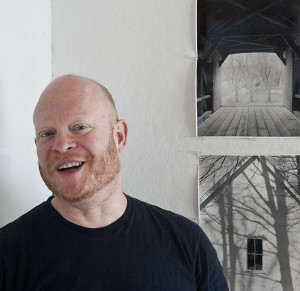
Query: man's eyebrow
point(39, 129)
point(80, 119)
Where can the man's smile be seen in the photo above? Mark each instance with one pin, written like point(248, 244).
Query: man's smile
point(69, 166)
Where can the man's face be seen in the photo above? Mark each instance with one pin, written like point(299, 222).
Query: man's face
point(75, 143)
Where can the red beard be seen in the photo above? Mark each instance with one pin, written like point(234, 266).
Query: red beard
point(103, 170)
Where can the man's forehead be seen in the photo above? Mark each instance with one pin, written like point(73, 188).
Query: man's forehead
point(70, 112)
point(72, 90)
point(69, 95)
point(56, 96)
point(76, 110)
point(46, 120)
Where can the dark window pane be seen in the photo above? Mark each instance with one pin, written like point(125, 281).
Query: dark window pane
point(254, 253)
point(258, 246)
point(251, 262)
point(258, 262)
point(250, 245)
point(258, 259)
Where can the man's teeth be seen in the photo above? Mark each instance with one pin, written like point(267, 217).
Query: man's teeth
point(70, 165)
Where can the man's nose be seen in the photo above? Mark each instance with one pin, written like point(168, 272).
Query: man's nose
point(63, 142)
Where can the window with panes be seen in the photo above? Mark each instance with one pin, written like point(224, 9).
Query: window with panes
point(254, 253)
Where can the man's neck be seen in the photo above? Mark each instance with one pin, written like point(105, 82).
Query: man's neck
point(100, 210)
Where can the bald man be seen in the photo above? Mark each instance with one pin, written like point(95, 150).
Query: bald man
point(90, 235)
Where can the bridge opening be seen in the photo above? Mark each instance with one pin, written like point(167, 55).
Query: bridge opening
point(252, 79)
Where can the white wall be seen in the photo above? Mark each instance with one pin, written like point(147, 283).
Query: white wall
point(144, 51)
point(25, 68)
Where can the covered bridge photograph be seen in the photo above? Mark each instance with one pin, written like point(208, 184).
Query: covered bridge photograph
point(248, 68)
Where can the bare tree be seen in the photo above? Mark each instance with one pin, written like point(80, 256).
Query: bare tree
point(240, 73)
point(273, 204)
point(251, 71)
point(232, 75)
point(269, 71)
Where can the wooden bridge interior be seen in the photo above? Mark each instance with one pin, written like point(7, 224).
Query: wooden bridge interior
point(226, 27)
point(251, 121)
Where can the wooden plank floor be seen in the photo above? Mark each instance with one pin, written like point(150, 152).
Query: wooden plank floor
point(251, 121)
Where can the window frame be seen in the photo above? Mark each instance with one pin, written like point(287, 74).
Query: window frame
point(254, 253)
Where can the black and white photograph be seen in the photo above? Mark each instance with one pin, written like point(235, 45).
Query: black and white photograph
point(248, 68)
point(249, 206)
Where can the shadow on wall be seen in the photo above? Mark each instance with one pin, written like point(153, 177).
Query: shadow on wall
point(6, 200)
point(189, 103)
point(21, 188)
point(8, 189)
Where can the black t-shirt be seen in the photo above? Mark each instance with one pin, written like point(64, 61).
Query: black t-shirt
point(147, 248)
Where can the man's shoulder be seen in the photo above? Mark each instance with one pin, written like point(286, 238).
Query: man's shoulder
point(29, 219)
point(162, 212)
point(168, 219)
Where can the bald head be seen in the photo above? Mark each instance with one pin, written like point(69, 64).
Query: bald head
point(78, 137)
point(62, 89)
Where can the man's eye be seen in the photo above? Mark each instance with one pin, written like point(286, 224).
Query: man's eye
point(80, 127)
point(46, 134)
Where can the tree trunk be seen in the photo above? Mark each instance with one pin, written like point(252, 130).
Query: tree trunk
point(279, 214)
point(236, 94)
point(269, 95)
point(222, 212)
point(298, 167)
point(232, 247)
point(251, 94)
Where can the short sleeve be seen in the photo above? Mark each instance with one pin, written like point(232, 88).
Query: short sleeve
point(2, 269)
point(209, 272)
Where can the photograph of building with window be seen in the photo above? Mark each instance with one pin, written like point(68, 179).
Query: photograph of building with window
point(248, 69)
point(249, 207)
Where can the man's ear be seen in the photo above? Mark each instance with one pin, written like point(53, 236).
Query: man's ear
point(120, 135)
